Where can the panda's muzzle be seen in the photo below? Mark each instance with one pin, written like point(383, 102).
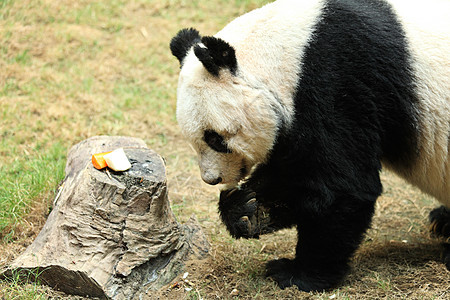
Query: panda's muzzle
point(212, 180)
point(216, 181)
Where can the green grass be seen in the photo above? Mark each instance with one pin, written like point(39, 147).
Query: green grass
point(24, 181)
point(14, 288)
point(4, 8)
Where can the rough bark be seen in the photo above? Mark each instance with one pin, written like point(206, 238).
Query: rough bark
point(112, 235)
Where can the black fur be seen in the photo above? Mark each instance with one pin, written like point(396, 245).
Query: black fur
point(440, 221)
point(446, 255)
point(440, 226)
point(183, 41)
point(244, 216)
point(235, 204)
point(215, 141)
point(354, 106)
point(217, 54)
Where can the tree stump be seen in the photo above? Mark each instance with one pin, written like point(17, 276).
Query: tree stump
point(112, 235)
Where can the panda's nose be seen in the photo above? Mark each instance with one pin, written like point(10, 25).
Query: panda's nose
point(213, 181)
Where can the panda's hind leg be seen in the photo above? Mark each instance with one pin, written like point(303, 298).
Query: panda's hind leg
point(440, 226)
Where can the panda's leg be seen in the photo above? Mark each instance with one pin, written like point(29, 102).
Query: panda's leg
point(440, 225)
point(325, 245)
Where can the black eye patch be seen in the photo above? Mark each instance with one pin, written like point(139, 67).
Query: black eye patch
point(215, 141)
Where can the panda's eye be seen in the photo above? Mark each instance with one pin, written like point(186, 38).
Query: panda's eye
point(215, 141)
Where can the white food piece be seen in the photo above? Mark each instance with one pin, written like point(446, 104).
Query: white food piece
point(117, 160)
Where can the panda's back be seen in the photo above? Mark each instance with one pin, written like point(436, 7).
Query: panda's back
point(275, 48)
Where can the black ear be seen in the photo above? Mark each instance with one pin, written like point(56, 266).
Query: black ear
point(216, 54)
point(183, 41)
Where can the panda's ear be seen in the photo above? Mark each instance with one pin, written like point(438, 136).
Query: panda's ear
point(215, 53)
point(183, 41)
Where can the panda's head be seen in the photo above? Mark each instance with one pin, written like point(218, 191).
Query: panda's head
point(228, 116)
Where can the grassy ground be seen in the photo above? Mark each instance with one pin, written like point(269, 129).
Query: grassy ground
point(74, 69)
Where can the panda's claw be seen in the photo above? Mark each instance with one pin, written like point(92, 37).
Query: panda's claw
point(251, 195)
point(251, 201)
point(229, 193)
point(433, 227)
point(245, 219)
point(247, 225)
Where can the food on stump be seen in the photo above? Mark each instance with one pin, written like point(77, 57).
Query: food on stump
point(116, 160)
point(98, 160)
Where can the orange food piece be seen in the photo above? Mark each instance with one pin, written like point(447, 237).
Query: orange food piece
point(98, 161)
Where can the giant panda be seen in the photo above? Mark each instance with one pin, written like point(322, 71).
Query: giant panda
point(295, 107)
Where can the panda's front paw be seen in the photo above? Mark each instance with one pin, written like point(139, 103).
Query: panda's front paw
point(237, 207)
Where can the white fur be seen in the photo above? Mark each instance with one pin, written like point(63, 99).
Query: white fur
point(269, 44)
point(427, 26)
